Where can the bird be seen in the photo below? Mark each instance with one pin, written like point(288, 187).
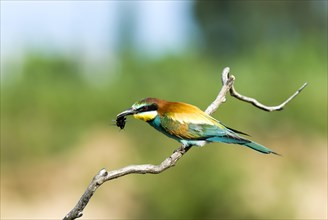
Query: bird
point(187, 124)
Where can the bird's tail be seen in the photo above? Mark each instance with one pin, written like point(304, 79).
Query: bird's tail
point(260, 148)
point(235, 139)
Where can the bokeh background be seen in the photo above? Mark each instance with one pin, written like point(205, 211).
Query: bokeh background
point(69, 67)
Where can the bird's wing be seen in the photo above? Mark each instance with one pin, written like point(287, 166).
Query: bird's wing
point(194, 126)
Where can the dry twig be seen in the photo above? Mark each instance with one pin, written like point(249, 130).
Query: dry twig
point(103, 175)
point(257, 104)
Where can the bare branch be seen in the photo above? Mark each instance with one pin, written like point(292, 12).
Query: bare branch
point(227, 83)
point(103, 175)
point(257, 104)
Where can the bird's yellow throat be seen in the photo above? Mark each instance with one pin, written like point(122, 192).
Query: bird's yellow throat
point(146, 116)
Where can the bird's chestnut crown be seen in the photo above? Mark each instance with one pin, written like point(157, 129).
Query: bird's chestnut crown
point(144, 105)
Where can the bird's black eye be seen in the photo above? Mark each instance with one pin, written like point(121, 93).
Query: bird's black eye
point(153, 107)
point(143, 109)
point(148, 108)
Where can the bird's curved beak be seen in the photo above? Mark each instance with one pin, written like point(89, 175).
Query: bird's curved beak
point(129, 111)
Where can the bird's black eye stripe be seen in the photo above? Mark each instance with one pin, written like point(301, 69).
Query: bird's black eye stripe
point(148, 108)
point(152, 107)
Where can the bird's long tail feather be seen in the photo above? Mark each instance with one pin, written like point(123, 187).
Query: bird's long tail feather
point(260, 148)
point(235, 139)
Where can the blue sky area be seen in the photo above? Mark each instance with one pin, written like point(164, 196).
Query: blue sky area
point(95, 28)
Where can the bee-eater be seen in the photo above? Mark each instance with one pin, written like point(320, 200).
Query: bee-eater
point(186, 123)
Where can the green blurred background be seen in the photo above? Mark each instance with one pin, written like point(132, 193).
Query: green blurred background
point(58, 105)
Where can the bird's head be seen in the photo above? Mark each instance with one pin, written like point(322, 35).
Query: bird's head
point(145, 109)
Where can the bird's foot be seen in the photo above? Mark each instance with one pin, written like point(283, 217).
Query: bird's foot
point(182, 149)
